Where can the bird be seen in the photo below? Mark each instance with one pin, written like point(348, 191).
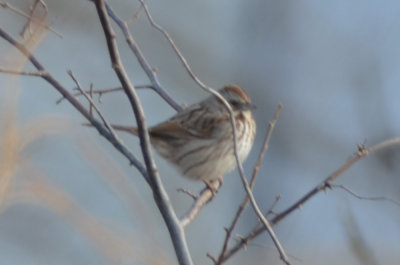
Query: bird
point(199, 139)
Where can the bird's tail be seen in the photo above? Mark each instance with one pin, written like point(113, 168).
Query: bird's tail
point(128, 129)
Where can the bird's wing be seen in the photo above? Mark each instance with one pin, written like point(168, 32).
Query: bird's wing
point(196, 121)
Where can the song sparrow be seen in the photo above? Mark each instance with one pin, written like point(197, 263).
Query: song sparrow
point(199, 139)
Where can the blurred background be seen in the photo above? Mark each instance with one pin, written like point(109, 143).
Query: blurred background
point(67, 197)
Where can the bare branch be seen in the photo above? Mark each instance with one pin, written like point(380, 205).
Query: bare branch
point(142, 60)
point(233, 123)
point(118, 144)
point(93, 105)
point(90, 101)
point(265, 222)
point(202, 199)
point(361, 153)
point(159, 193)
point(101, 92)
point(128, 88)
point(245, 201)
point(271, 127)
point(368, 198)
point(188, 192)
point(174, 47)
point(211, 258)
point(271, 209)
point(151, 175)
point(232, 119)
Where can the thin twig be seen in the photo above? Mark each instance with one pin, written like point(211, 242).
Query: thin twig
point(368, 198)
point(191, 73)
point(160, 195)
point(361, 153)
point(101, 92)
point(21, 13)
point(267, 225)
point(256, 168)
point(174, 47)
point(271, 209)
point(200, 83)
point(211, 258)
point(202, 199)
point(118, 144)
point(188, 193)
point(142, 60)
point(233, 123)
point(271, 127)
point(128, 88)
point(93, 105)
point(91, 97)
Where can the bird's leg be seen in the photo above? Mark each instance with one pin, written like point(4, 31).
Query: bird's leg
point(213, 185)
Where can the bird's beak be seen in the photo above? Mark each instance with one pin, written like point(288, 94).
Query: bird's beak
point(248, 106)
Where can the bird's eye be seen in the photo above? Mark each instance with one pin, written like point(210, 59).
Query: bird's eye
point(234, 103)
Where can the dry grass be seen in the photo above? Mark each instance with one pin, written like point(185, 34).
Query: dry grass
point(22, 182)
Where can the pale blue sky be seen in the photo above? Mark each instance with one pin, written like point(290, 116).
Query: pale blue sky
point(335, 65)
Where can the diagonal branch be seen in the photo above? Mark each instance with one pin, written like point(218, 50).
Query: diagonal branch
point(100, 92)
point(156, 85)
point(361, 153)
point(202, 199)
point(160, 195)
point(266, 224)
point(367, 198)
point(245, 202)
point(174, 47)
point(92, 104)
point(233, 124)
point(118, 144)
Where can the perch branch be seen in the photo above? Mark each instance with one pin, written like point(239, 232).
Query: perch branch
point(256, 168)
point(233, 124)
point(202, 199)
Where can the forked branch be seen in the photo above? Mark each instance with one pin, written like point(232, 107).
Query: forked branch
point(325, 184)
point(159, 193)
point(118, 144)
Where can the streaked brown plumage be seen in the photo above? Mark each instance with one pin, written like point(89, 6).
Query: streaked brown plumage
point(198, 140)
